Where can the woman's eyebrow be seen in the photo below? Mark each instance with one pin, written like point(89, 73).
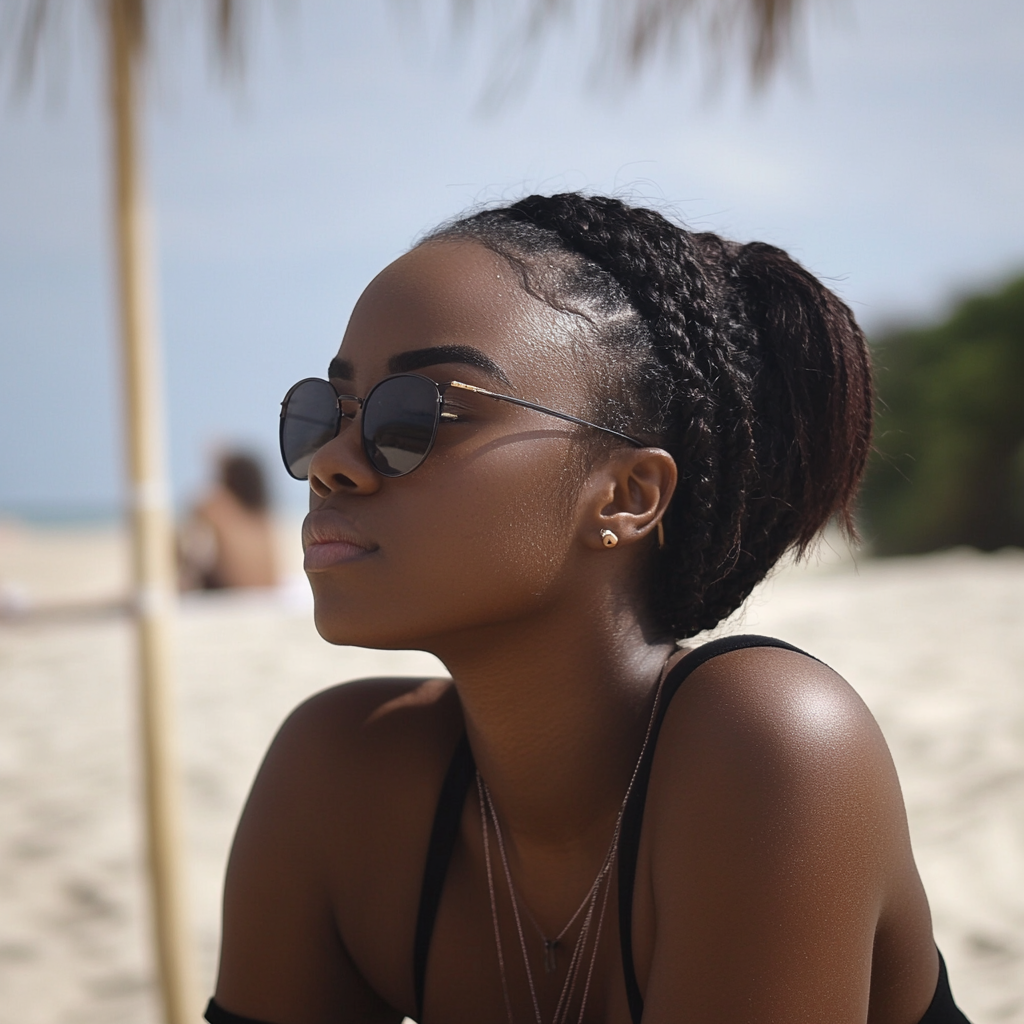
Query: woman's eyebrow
point(341, 369)
point(406, 362)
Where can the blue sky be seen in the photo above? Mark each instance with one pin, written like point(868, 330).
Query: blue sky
point(888, 157)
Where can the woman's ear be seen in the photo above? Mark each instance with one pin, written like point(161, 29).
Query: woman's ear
point(625, 498)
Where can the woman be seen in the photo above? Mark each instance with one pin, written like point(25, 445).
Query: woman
point(560, 437)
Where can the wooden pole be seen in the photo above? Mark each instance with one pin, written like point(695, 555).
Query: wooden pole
point(152, 537)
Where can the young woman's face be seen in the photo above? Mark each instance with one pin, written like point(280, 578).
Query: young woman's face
point(484, 532)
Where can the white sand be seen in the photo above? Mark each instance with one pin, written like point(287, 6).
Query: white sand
point(935, 645)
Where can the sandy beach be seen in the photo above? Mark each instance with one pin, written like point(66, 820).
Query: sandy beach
point(935, 645)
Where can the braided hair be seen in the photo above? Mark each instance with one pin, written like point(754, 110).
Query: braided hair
point(736, 360)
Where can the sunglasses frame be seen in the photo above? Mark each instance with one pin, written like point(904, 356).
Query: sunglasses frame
point(439, 415)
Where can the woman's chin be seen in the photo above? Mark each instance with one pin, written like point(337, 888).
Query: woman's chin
point(340, 633)
point(347, 631)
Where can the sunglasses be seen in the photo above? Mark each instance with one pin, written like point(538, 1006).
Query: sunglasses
point(400, 418)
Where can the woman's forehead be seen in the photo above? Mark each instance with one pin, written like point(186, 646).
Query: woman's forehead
point(448, 293)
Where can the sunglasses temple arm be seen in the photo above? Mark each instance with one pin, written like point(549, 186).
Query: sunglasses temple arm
point(550, 412)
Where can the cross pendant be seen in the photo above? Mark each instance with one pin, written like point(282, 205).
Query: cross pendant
point(550, 945)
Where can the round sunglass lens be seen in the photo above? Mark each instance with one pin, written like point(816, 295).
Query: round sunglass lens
point(309, 420)
point(399, 422)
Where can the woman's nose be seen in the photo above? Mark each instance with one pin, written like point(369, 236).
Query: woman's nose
point(342, 465)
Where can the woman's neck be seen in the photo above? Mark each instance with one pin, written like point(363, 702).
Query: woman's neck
point(556, 709)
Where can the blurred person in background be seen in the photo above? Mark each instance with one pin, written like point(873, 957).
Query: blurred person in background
point(228, 540)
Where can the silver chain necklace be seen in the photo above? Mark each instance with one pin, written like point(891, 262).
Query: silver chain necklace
point(596, 894)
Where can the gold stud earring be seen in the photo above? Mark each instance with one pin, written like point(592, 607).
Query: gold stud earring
point(609, 539)
point(661, 534)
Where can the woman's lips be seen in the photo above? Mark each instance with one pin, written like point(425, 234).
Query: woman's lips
point(329, 540)
point(326, 555)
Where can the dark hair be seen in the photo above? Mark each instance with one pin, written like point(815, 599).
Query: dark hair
point(242, 475)
point(736, 360)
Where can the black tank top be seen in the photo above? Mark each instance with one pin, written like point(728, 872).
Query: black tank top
point(445, 831)
point(447, 820)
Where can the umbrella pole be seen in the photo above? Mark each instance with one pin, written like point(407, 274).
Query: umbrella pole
point(152, 538)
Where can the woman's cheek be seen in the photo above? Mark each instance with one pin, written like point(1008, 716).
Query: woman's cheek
point(519, 534)
point(482, 550)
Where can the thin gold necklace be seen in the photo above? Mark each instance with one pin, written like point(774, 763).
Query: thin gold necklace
point(552, 945)
point(588, 908)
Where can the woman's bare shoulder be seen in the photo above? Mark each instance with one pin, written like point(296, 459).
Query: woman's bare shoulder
point(323, 880)
point(357, 717)
point(363, 742)
point(778, 843)
point(781, 730)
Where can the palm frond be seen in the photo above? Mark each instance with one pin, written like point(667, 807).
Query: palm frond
point(626, 37)
point(229, 33)
point(30, 26)
point(27, 25)
point(636, 31)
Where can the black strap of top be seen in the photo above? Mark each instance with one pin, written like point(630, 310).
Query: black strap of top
point(447, 818)
point(633, 815)
point(216, 1014)
point(445, 831)
point(942, 1009)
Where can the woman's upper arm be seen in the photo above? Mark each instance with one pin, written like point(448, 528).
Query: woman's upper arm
point(282, 959)
point(775, 824)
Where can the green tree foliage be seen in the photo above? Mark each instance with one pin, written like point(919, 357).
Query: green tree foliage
point(949, 462)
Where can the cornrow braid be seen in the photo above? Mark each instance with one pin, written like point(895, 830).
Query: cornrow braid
point(736, 360)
